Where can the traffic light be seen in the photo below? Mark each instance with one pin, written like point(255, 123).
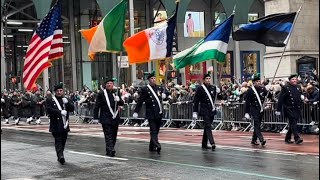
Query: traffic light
point(171, 74)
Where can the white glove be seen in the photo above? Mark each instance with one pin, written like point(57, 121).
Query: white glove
point(2, 100)
point(218, 90)
point(135, 94)
point(195, 116)
point(64, 113)
point(302, 97)
point(278, 113)
point(116, 98)
point(163, 95)
point(179, 103)
point(247, 116)
point(135, 115)
point(64, 100)
point(315, 103)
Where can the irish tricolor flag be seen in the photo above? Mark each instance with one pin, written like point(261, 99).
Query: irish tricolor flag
point(153, 43)
point(212, 47)
point(108, 35)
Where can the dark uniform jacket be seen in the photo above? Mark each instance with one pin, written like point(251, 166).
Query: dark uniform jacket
point(16, 105)
point(56, 123)
point(38, 100)
point(252, 104)
point(27, 105)
point(5, 106)
point(290, 97)
point(105, 114)
point(205, 103)
point(152, 106)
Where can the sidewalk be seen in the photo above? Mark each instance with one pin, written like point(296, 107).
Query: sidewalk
point(224, 139)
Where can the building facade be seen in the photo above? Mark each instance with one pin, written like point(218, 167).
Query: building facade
point(243, 59)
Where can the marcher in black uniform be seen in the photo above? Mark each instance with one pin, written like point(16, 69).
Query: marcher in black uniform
point(206, 95)
point(290, 101)
point(58, 108)
point(254, 108)
point(106, 102)
point(16, 106)
point(5, 106)
point(152, 95)
point(38, 100)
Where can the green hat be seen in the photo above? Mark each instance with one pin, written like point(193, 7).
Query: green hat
point(152, 74)
point(256, 77)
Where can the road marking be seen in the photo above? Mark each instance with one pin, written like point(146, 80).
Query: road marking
point(99, 156)
point(228, 170)
point(228, 147)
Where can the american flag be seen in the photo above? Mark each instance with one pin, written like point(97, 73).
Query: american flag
point(45, 46)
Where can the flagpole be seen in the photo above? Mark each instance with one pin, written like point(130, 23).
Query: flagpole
point(118, 76)
point(284, 49)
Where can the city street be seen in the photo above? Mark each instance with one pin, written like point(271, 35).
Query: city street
point(27, 152)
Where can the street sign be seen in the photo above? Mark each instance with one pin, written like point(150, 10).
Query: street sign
point(124, 62)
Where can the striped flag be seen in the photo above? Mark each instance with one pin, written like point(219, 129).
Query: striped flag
point(45, 46)
point(153, 43)
point(109, 34)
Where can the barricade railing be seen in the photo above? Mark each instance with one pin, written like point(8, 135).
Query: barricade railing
point(225, 113)
point(141, 120)
point(85, 112)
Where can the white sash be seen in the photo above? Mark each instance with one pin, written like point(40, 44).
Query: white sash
point(64, 118)
point(155, 95)
point(108, 102)
point(258, 97)
point(210, 98)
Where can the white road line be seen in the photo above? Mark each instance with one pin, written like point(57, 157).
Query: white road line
point(99, 156)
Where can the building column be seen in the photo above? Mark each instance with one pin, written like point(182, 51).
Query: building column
point(3, 60)
point(86, 64)
point(131, 23)
point(73, 46)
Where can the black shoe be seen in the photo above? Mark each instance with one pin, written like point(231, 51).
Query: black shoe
point(288, 141)
point(263, 142)
point(254, 143)
point(213, 147)
point(111, 153)
point(61, 160)
point(152, 149)
point(299, 141)
point(158, 150)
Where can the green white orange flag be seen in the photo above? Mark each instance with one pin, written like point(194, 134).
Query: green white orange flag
point(108, 36)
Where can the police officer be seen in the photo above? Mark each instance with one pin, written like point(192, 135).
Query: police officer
point(254, 108)
point(206, 95)
point(290, 101)
point(108, 103)
point(58, 108)
point(152, 95)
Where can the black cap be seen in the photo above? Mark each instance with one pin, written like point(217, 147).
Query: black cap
point(110, 80)
point(206, 75)
point(292, 76)
point(58, 86)
point(256, 77)
point(150, 75)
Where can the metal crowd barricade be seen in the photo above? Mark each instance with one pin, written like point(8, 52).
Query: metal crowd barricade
point(130, 120)
point(269, 116)
point(141, 120)
point(124, 113)
point(234, 113)
point(310, 112)
point(85, 112)
point(181, 112)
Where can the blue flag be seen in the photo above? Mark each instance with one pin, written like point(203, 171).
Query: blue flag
point(272, 30)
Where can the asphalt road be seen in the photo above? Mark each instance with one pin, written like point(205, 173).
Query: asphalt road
point(31, 155)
